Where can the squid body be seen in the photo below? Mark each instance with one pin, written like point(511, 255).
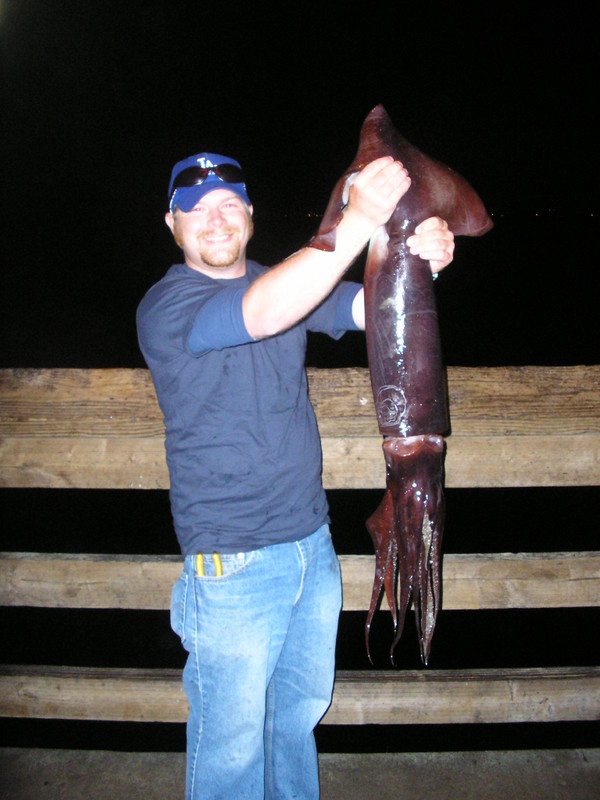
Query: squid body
point(407, 373)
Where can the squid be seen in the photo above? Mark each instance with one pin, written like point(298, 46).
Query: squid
point(407, 374)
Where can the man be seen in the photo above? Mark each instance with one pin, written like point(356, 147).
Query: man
point(258, 600)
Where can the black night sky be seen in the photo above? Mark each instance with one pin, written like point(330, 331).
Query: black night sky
point(101, 98)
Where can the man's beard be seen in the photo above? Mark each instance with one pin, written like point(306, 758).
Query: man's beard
point(221, 257)
point(214, 257)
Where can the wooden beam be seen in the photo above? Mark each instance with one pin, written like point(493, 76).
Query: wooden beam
point(511, 426)
point(85, 462)
point(469, 696)
point(87, 693)
point(348, 463)
point(474, 461)
point(560, 401)
point(371, 697)
point(495, 581)
point(505, 580)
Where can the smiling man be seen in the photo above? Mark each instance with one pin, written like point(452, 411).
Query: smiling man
point(214, 233)
point(259, 596)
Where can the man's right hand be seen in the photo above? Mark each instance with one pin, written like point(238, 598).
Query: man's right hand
point(376, 191)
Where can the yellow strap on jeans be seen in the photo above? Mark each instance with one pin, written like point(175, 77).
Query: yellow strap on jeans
point(216, 561)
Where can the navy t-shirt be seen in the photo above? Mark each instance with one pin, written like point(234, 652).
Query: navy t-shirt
point(243, 449)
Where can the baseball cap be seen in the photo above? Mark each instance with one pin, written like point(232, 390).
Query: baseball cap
point(197, 175)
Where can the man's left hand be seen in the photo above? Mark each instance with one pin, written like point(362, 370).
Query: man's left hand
point(434, 242)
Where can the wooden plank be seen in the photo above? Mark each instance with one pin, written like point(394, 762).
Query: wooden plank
point(497, 581)
point(360, 697)
point(511, 426)
point(474, 461)
point(348, 463)
point(87, 693)
point(73, 402)
point(470, 696)
point(83, 463)
point(87, 581)
point(483, 401)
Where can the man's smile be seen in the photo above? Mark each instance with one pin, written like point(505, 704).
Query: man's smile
point(218, 238)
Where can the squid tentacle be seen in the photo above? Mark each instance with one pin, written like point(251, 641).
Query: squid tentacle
point(380, 526)
point(415, 467)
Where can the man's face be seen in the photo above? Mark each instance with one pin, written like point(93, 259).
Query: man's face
point(214, 234)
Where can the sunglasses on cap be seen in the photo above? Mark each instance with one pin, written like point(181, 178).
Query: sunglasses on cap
point(194, 176)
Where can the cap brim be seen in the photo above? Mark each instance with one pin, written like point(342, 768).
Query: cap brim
point(186, 197)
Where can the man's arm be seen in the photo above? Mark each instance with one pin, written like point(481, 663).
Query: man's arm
point(291, 290)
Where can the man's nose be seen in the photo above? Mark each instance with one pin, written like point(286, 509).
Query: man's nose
point(215, 217)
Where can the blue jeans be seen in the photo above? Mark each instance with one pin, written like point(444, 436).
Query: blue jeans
point(260, 671)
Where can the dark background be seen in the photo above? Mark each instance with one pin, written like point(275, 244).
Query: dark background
point(101, 98)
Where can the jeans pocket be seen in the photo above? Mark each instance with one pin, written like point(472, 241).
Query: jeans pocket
point(178, 603)
point(230, 565)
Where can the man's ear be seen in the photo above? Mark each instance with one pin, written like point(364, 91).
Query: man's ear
point(169, 219)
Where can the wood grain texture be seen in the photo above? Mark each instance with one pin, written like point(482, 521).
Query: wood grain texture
point(471, 582)
point(360, 697)
point(511, 426)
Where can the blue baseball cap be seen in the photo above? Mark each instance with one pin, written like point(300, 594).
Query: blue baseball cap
point(197, 175)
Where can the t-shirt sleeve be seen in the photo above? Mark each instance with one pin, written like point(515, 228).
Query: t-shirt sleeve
point(184, 317)
point(334, 315)
point(219, 323)
point(177, 318)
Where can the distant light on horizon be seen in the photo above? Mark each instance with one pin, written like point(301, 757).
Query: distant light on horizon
point(549, 212)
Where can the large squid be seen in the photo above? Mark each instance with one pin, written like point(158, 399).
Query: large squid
point(407, 373)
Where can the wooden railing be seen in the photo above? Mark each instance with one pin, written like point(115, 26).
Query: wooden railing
point(511, 427)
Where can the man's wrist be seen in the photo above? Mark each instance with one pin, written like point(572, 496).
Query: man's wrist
point(357, 227)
